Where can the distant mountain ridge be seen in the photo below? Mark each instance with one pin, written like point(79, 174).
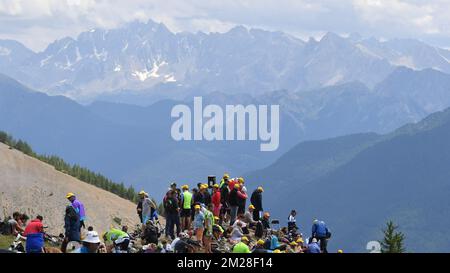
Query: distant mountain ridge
point(147, 58)
point(133, 143)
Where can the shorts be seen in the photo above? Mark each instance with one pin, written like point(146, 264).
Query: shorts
point(185, 213)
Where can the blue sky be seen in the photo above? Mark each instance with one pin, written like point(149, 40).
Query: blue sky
point(39, 22)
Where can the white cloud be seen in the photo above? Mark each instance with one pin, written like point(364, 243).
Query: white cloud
point(38, 22)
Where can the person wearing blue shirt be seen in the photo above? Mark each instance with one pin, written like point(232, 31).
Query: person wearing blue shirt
point(321, 233)
point(313, 247)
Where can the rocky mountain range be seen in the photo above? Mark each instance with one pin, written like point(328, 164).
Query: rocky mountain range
point(148, 59)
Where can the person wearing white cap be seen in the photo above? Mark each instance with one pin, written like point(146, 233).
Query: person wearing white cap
point(90, 244)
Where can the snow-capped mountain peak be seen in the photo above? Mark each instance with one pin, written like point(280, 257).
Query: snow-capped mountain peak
point(143, 56)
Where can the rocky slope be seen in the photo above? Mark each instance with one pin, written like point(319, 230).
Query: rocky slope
point(33, 187)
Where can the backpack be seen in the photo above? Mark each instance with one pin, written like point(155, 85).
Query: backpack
point(5, 227)
point(267, 243)
point(151, 233)
point(259, 230)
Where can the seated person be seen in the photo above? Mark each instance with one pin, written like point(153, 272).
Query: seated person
point(248, 217)
point(16, 224)
point(118, 239)
point(243, 224)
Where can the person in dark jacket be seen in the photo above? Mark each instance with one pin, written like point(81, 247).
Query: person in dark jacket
point(266, 221)
point(224, 199)
point(172, 215)
point(198, 197)
point(139, 205)
point(206, 195)
point(233, 199)
point(176, 192)
point(256, 200)
point(321, 233)
point(71, 227)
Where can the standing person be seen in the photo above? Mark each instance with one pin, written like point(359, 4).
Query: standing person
point(176, 192)
point(292, 222)
point(71, 227)
point(224, 200)
point(206, 195)
point(186, 211)
point(256, 200)
point(172, 214)
point(224, 179)
point(199, 223)
point(242, 183)
point(79, 208)
point(234, 203)
point(209, 223)
point(35, 236)
point(148, 207)
point(231, 183)
point(242, 198)
point(321, 233)
point(196, 196)
point(216, 200)
point(199, 198)
point(139, 205)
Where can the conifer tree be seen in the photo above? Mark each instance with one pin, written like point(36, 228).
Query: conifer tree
point(393, 241)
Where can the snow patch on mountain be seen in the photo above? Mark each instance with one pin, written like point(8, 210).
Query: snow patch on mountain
point(77, 51)
point(125, 47)
point(103, 55)
point(170, 78)
point(242, 61)
point(145, 74)
point(337, 78)
point(407, 61)
point(443, 57)
point(365, 50)
point(46, 60)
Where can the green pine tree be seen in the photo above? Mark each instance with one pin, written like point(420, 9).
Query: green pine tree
point(75, 170)
point(393, 241)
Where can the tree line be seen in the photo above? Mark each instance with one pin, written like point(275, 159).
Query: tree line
point(81, 173)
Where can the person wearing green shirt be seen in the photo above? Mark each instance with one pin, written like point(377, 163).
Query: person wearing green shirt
point(186, 210)
point(119, 239)
point(209, 223)
point(242, 247)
